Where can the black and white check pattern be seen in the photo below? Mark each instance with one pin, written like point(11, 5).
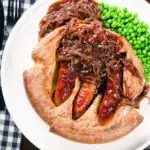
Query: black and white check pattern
point(25, 5)
point(10, 136)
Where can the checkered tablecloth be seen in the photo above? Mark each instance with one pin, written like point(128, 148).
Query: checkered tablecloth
point(10, 136)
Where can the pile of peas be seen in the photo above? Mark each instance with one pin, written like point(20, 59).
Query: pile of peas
point(134, 31)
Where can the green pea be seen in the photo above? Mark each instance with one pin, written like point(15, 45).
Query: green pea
point(107, 15)
point(129, 25)
point(139, 51)
point(136, 46)
point(107, 25)
point(118, 20)
point(125, 9)
point(125, 30)
point(148, 66)
point(133, 34)
point(139, 30)
point(143, 45)
point(130, 41)
point(105, 11)
point(146, 41)
point(135, 42)
point(143, 29)
point(114, 8)
point(140, 56)
point(103, 17)
point(135, 15)
point(148, 80)
point(121, 15)
point(109, 21)
point(135, 22)
point(106, 6)
point(128, 37)
point(144, 51)
point(139, 35)
point(147, 48)
point(130, 30)
point(119, 30)
point(114, 24)
point(142, 38)
point(148, 61)
point(101, 3)
point(135, 28)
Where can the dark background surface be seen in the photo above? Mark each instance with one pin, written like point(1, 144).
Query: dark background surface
point(27, 145)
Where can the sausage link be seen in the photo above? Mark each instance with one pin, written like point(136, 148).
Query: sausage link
point(111, 98)
point(65, 84)
point(83, 99)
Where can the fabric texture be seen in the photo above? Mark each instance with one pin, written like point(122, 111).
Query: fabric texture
point(10, 136)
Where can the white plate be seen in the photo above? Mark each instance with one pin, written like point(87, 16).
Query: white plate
point(17, 58)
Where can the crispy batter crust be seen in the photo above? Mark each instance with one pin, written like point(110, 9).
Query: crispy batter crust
point(132, 86)
point(39, 83)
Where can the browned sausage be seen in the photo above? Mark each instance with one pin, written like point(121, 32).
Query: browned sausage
point(83, 99)
point(65, 84)
point(111, 97)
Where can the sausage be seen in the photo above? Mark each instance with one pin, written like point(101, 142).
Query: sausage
point(65, 84)
point(111, 98)
point(83, 99)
